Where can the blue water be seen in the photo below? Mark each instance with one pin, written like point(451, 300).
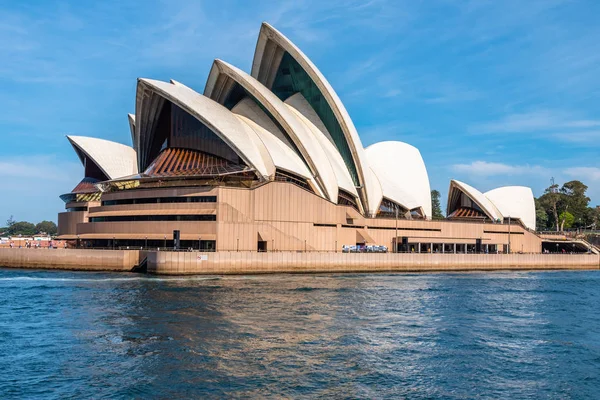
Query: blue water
point(486, 335)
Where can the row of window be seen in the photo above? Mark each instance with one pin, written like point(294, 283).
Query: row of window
point(73, 209)
point(153, 218)
point(155, 200)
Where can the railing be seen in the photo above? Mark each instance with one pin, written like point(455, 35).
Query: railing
point(186, 250)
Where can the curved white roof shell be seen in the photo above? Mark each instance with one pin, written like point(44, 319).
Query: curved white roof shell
point(264, 66)
point(402, 174)
point(134, 141)
point(279, 150)
point(304, 112)
point(115, 160)
point(476, 196)
point(515, 201)
point(311, 151)
point(220, 120)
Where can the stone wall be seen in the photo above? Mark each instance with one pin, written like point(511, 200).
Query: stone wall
point(182, 263)
point(70, 259)
point(189, 263)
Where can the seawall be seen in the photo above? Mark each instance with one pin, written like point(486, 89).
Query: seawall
point(70, 259)
point(174, 263)
point(193, 263)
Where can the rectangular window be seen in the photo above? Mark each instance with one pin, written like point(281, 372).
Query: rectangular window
point(147, 218)
point(155, 200)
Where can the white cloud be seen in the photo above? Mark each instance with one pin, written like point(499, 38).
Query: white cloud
point(584, 173)
point(39, 167)
point(591, 138)
point(34, 184)
point(484, 168)
point(537, 121)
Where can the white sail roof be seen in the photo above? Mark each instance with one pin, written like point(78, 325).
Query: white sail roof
point(517, 202)
point(134, 141)
point(402, 174)
point(264, 67)
point(476, 196)
point(115, 160)
point(219, 119)
point(298, 105)
point(280, 151)
point(303, 139)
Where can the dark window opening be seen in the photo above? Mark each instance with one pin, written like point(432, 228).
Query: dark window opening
point(74, 209)
point(154, 200)
point(176, 128)
point(153, 218)
point(202, 245)
point(390, 209)
point(262, 246)
point(284, 176)
point(346, 199)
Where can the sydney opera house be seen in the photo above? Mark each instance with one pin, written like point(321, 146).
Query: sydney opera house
point(271, 161)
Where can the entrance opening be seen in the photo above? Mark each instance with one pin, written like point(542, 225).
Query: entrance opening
point(262, 246)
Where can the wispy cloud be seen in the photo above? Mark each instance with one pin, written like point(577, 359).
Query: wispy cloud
point(34, 184)
point(585, 174)
point(484, 168)
point(589, 138)
point(35, 167)
point(536, 121)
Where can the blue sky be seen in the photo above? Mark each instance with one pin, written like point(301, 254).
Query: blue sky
point(492, 92)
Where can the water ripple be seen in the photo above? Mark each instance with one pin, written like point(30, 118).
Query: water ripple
point(446, 336)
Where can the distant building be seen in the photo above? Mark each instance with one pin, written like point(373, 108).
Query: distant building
point(271, 161)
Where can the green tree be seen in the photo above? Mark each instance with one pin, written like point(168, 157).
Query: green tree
point(566, 220)
point(10, 222)
point(541, 216)
point(593, 218)
point(22, 228)
point(436, 208)
point(552, 202)
point(48, 227)
point(575, 200)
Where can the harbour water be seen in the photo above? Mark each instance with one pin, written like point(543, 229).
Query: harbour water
point(463, 335)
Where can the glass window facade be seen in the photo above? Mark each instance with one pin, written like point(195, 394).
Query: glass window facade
point(189, 133)
point(388, 208)
point(291, 79)
point(346, 199)
point(176, 128)
point(75, 209)
point(154, 200)
point(284, 176)
point(152, 218)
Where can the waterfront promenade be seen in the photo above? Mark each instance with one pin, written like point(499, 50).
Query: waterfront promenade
point(195, 263)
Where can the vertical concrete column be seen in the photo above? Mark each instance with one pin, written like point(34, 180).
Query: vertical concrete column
point(418, 247)
point(454, 248)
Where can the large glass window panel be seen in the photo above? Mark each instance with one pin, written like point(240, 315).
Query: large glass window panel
point(291, 79)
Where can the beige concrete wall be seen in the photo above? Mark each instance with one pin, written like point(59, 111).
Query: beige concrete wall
point(67, 222)
point(294, 262)
point(287, 217)
point(232, 262)
point(70, 259)
point(190, 230)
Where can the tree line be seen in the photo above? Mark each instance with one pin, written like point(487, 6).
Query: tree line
point(566, 207)
point(25, 228)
